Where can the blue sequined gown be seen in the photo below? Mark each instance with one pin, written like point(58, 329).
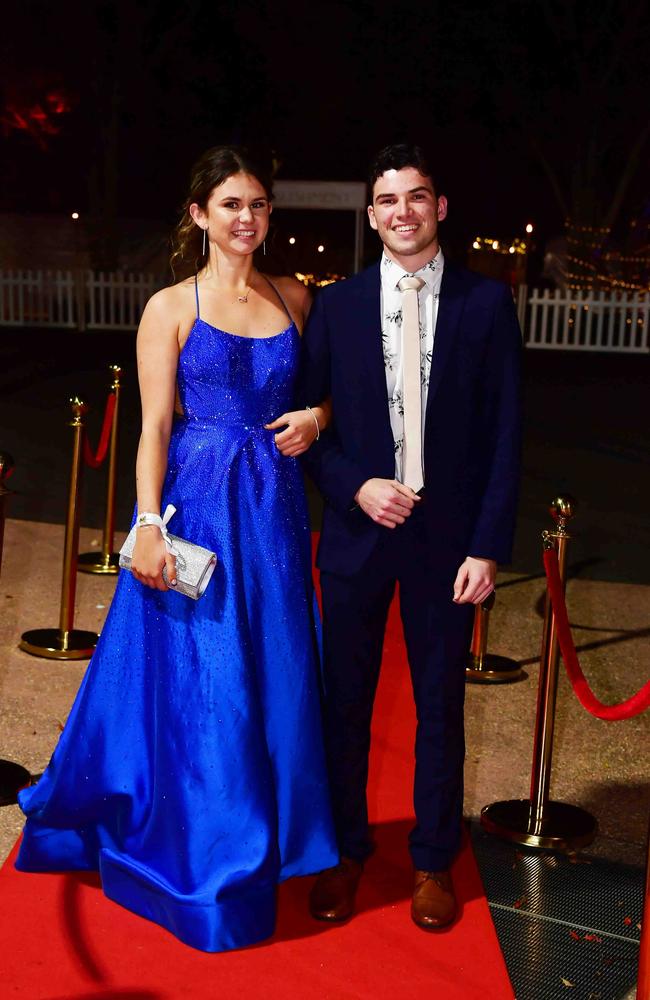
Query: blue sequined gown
point(191, 769)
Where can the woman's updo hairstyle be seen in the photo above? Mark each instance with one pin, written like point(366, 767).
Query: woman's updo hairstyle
point(214, 167)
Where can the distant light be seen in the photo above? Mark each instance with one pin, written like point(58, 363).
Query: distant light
point(292, 239)
point(495, 245)
point(320, 247)
point(529, 227)
point(476, 245)
point(511, 250)
point(75, 215)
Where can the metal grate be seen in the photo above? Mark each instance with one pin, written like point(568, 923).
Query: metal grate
point(568, 926)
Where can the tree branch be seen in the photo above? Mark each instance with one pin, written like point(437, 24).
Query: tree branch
point(550, 174)
point(630, 168)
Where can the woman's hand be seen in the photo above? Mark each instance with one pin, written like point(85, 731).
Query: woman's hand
point(150, 557)
point(300, 432)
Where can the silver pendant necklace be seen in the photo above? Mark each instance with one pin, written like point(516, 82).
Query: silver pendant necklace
point(244, 298)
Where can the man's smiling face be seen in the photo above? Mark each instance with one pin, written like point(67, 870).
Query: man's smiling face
point(405, 211)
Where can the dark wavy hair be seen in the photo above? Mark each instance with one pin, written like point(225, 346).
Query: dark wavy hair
point(214, 167)
point(397, 157)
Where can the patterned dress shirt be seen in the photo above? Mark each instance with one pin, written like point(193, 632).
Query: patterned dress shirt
point(391, 335)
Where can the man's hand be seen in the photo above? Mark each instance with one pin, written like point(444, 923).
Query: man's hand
point(474, 580)
point(386, 501)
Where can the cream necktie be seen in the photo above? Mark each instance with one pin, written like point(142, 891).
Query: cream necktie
point(411, 392)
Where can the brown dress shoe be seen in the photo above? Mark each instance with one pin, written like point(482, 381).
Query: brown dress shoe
point(332, 894)
point(434, 904)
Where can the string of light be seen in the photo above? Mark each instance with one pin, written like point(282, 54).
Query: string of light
point(506, 247)
point(310, 279)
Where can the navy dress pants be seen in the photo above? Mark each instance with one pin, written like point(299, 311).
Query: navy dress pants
point(437, 634)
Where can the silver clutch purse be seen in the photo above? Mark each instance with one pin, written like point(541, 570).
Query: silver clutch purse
point(194, 564)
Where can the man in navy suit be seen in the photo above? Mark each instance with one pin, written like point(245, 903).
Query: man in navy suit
point(419, 473)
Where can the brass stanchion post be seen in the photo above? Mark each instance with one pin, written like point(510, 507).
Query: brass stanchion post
point(67, 642)
point(107, 561)
point(538, 821)
point(13, 776)
point(483, 667)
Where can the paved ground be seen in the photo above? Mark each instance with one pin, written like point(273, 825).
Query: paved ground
point(586, 432)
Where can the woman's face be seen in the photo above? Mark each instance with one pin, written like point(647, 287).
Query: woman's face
point(236, 215)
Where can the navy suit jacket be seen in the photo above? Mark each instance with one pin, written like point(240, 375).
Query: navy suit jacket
point(472, 426)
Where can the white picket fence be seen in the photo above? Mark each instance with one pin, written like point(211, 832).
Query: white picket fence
point(585, 321)
point(38, 298)
point(115, 301)
point(89, 300)
point(79, 300)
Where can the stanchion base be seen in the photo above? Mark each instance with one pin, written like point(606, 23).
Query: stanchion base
point(54, 644)
point(13, 777)
point(563, 827)
point(97, 562)
point(494, 669)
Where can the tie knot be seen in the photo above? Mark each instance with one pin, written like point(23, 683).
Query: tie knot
point(410, 282)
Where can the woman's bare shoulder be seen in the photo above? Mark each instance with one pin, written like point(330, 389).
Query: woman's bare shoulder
point(168, 311)
point(173, 296)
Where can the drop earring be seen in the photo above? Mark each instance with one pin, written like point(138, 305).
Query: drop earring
point(264, 248)
point(204, 242)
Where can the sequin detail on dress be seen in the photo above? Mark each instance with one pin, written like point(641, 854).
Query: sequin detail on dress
point(191, 769)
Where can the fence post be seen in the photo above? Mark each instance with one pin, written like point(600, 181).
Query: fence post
point(522, 301)
point(80, 298)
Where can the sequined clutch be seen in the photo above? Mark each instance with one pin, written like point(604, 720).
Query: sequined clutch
point(194, 564)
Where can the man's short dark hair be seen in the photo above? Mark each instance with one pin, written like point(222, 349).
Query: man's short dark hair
point(398, 157)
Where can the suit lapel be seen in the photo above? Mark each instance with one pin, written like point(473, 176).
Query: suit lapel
point(368, 327)
point(368, 323)
point(450, 308)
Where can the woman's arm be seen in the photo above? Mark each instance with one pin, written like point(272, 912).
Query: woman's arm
point(157, 351)
point(302, 428)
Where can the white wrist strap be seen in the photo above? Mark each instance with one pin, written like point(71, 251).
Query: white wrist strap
point(315, 421)
point(160, 522)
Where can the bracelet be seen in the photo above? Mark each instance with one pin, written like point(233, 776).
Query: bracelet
point(146, 518)
point(315, 421)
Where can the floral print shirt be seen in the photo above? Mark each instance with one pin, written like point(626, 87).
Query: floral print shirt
point(391, 335)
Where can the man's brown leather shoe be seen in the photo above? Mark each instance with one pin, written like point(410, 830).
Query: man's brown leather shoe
point(434, 904)
point(332, 894)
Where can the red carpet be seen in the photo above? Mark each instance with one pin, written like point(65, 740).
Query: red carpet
point(62, 940)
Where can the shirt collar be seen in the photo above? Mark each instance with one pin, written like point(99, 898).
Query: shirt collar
point(431, 272)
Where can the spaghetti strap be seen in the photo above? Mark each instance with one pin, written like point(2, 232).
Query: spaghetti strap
point(277, 292)
point(196, 292)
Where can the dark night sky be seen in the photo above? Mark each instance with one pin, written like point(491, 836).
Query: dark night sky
point(490, 88)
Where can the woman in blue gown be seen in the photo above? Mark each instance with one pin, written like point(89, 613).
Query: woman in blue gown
point(191, 771)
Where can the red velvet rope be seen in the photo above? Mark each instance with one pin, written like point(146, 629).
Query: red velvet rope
point(626, 709)
point(94, 461)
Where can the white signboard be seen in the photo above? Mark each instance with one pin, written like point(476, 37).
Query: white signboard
point(340, 195)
